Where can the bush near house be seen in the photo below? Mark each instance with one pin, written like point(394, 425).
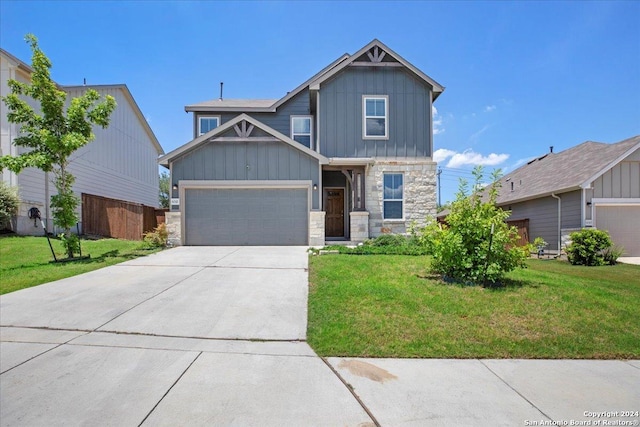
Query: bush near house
point(386, 244)
point(9, 203)
point(591, 247)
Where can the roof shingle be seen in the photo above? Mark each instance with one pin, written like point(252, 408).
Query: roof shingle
point(563, 171)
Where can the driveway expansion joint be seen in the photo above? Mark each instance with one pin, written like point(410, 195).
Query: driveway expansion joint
point(169, 389)
point(148, 299)
point(39, 354)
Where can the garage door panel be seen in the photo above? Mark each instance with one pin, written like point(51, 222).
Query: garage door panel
point(623, 224)
point(273, 216)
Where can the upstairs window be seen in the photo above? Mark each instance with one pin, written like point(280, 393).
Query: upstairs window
point(375, 124)
point(301, 129)
point(393, 196)
point(207, 123)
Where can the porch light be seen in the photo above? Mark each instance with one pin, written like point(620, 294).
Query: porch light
point(175, 186)
point(315, 187)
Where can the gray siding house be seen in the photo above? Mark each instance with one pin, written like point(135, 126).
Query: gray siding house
point(346, 155)
point(121, 163)
point(590, 185)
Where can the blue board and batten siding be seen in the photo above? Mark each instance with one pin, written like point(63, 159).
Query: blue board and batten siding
point(341, 114)
point(247, 161)
point(280, 120)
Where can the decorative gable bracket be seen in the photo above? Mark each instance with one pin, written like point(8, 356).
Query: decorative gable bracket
point(375, 55)
point(242, 130)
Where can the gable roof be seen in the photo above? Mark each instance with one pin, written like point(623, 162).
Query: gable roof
point(207, 137)
point(437, 87)
point(267, 105)
point(568, 170)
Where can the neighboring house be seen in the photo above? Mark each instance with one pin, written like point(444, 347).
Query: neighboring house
point(121, 163)
point(346, 155)
point(590, 185)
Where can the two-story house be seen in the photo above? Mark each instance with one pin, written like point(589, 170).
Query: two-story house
point(346, 155)
point(121, 163)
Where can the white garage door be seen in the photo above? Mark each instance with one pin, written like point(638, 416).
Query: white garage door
point(265, 216)
point(623, 224)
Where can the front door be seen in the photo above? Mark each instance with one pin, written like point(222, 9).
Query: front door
point(334, 208)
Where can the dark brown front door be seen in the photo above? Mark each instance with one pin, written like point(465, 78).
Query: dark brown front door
point(334, 208)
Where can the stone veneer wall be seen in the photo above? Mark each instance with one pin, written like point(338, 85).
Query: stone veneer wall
point(359, 226)
point(316, 228)
point(174, 228)
point(419, 194)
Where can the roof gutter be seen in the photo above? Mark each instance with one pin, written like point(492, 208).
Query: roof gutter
point(559, 222)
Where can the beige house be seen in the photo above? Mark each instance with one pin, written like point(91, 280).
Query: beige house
point(121, 163)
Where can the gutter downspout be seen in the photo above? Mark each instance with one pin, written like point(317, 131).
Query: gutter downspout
point(559, 223)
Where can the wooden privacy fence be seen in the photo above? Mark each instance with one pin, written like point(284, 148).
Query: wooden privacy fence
point(116, 218)
point(523, 230)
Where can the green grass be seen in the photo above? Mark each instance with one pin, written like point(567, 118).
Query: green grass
point(25, 261)
point(388, 306)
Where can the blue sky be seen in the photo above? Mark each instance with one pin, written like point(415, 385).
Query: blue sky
point(519, 76)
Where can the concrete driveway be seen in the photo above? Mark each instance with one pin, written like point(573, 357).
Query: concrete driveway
point(188, 336)
point(216, 336)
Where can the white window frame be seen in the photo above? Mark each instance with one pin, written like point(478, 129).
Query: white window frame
point(293, 134)
point(206, 117)
point(365, 117)
point(392, 200)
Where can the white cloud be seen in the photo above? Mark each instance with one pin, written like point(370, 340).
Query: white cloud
point(489, 108)
point(437, 121)
point(442, 154)
point(467, 158)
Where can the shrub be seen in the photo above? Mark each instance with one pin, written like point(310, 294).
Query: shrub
point(587, 246)
point(475, 246)
point(9, 203)
point(611, 254)
point(157, 238)
point(387, 240)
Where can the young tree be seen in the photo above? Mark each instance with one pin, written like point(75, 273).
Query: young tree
point(164, 190)
point(476, 245)
point(53, 134)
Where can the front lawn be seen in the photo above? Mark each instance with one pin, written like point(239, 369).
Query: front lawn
point(25, 261)
point(386, 306)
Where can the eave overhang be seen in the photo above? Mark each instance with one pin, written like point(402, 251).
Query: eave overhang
point(211, 137)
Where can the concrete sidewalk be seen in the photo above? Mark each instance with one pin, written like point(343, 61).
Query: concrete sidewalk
point(216, 336)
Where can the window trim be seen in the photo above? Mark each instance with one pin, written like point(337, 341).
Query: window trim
point(200, 133)
point(393, 200)
point(292, 133)
point(364, 116)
